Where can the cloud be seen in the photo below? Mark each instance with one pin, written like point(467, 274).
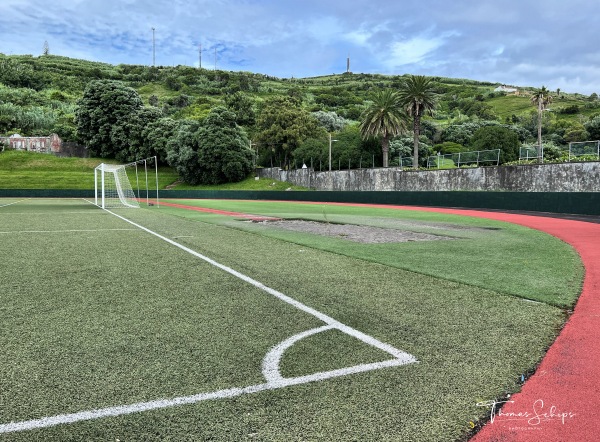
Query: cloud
point(514, 42)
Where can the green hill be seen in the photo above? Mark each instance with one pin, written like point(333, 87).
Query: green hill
point(38, 95)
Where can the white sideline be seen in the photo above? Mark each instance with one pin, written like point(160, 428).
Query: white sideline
point(121, 410)
point(10, 204)
point(68, 231)
point(270, 362)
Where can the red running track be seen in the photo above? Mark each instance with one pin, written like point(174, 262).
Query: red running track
point(561, 401)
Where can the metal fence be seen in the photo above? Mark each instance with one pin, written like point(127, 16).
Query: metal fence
point(477, 158)
point(529, 152)
point(581, 148)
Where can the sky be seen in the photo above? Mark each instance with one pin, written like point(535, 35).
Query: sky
point(535, 43)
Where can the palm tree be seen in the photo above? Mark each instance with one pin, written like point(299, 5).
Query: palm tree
point(418, 98)
point(541, 98)
point(384, 118)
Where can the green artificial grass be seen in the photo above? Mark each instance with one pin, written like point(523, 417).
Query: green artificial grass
point(96, 314)
point(490, 254)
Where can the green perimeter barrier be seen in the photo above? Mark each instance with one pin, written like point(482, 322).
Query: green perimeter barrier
point(577, 203)
point(46, 193)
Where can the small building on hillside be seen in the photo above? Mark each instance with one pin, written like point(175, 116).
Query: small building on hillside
point(49, 144)
point(507, 89)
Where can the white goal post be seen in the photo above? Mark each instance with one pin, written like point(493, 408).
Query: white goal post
point(113, 187)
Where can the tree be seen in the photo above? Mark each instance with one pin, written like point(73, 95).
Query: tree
point(541, 98)
point(593, 128)
point(46, 48)
point(383, 118)
point(282, 125)
point(157, 136)
point(497, 137)
point(105, 105)
point(417, 96)
point(402, 147)
point(127, 135)
point(216, 151)
point(243, 107)
point(331, 121)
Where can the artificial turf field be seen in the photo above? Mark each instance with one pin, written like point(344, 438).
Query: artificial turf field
point(98, 313)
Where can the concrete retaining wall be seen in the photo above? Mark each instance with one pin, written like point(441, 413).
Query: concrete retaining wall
point(564, 177)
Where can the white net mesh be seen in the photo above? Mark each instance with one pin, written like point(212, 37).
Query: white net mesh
point(113, 189)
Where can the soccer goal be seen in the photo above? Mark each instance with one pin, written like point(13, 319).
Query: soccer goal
point(112, 183)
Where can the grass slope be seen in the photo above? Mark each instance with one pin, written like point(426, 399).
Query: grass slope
point(120, 316)
point(29, 170)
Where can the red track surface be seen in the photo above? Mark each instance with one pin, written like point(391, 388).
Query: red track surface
point(218, 212)
point(561, 401)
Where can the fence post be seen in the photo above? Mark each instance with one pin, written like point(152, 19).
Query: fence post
point(478, 152)
point(458, 159)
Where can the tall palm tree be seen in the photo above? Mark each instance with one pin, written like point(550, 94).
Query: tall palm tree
point(541, 98)
point(417, 95)
point(383, 118)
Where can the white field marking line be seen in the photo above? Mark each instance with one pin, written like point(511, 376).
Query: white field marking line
point(399, 354)
point(121, 410)
point(55, 213)
point(70, 231)
point(10, 204)
point(270, 365)
point(271, 372)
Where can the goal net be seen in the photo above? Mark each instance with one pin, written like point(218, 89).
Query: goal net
point(113, 188)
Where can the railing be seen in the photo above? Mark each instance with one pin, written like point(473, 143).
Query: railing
point(452, 160)
point(529, 153)
point(584, 148)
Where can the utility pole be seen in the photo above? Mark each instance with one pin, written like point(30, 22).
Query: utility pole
point(200, 56)
point(215, 58)
point(153, 49)
point(330, 141)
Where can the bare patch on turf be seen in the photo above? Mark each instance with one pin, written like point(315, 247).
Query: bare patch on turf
point(357, 233)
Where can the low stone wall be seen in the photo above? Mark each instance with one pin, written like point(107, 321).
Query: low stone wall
point(564, 177)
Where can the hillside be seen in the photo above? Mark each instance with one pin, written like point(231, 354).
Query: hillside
point(38, 95)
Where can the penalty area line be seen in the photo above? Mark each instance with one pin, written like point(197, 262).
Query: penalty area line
point(398, 354)
point(121, 410)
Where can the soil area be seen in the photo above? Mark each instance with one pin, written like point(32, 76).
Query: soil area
point(351, 232)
